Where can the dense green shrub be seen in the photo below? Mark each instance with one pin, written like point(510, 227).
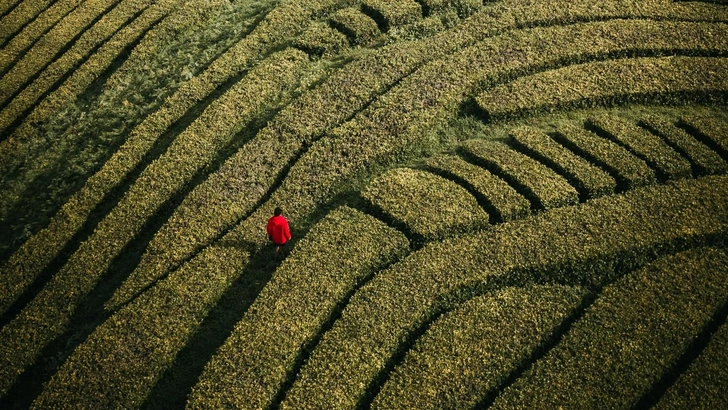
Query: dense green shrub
point(431, 207)
point(712, 131)
point(20, 16)
point(702, 386)
point(637, 328)
point(543, 186)
point(589, 244)
point(321, 40)
point(653, 150)
point(628, 170)
point(507, 204)
point(472, 350)
point(590, 180)
point(703, 160)
point(463, 8)
point(606, 83)
point(357, 26)
point(252, 366)
point(191, 151)
point(388, 13)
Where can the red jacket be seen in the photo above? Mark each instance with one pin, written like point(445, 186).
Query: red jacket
point(278, 230)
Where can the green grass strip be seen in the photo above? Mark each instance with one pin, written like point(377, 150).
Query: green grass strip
point(472, 350)
point(39, 250)
point(118, 365)
point(75, 23)
point(587, 244)
point(21, 15)
point(543, 186)
point(628, 338)
point(629, 171)
point(608, 83)
point(357, 26)
point(507, 204)
point(112, 30)
point(651, 148)
point(34, 30)
point(702, 386)
point(252, 366)
point(703, 160)
point(47, 315)
point(590, 180)
point(431, 207)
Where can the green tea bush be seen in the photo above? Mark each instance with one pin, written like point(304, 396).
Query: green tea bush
point(33, 31)
point(712, 131)
point(112, 33)
point(637, 328)
point(703, 384)
point(629, 171)
point(191, 151)
point(704, 161)
point(252, 366)
point(472, 350)
point(389, 14)
point(506, 202)
point(40, 249)
point(651, 148)
point(606, 83)
point(76, 22)
point(321, 40)
point(118, 365)
point(590, 180)
point(589, 244)
point(543, 186)
point(361, 29)
point(464, 8)
point(431, 207)
point(20, 16)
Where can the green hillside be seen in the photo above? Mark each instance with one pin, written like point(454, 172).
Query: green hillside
point(502, 203)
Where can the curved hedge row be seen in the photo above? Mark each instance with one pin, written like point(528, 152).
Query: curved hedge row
point(389, 13)
point(588, 244)
point(471, 350)
point(113, 13)
point(40, 249)
point(653, 150)
point(703, 384)
point(431, 207)
point(321, 40)
point(637, 328)
point(629, 171)
point(544, 187)
point(712, 131)
point(503, 202)
point(357, 26)
point(43, 23)
point(118, 31)
point(590, 180)
point(703, 160)
point(118, 365)
point(190, 152)
point(250, 369)
point(607, 83)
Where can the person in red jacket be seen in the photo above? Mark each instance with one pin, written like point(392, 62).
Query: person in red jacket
point(277, 229)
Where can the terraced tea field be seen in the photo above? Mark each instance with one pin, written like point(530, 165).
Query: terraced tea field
point(494, 204)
